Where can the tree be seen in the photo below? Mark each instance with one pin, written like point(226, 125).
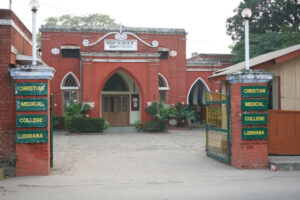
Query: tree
point(264, 43)
point(99, 20)
point(274, 25)
point(267, 16)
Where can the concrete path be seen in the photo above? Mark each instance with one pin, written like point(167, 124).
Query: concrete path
point(146, 166)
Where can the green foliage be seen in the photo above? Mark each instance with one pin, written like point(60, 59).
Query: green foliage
point(106, 124)
point(58, 122)
point(160, 111)
point(265, 43)
point(76, 109)
point(138, 125)
point(99, 20)
point(155, 126)
point(274, 25)
point(85, 125)
point(267, 16)
point(183, 114)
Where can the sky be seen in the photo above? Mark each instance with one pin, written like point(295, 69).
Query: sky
point(203, 20)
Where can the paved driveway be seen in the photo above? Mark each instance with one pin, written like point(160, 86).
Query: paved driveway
point(146, 166)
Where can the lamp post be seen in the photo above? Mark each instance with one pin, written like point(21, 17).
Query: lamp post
point(34, 5)
point(246, 14)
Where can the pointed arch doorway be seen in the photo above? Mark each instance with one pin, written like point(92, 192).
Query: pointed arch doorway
point(115, 99)
point(197, 98)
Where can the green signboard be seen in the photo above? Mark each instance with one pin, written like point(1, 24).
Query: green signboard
point(31, 89)
point(254, 119)
point(32, 136)
point(254, 104)
point(254, 133)
point(32, 120)
point(254, 91)
point(32, 104)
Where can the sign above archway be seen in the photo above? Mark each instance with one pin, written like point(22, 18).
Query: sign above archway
point(120, 43)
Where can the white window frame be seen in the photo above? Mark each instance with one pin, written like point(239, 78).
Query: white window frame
point(62, 87)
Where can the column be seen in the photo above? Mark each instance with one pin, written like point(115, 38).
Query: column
point(249, 105)
point(32, 95)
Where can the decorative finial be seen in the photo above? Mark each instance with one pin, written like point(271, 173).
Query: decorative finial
point(121, 28)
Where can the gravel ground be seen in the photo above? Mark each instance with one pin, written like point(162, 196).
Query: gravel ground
point(146, 166)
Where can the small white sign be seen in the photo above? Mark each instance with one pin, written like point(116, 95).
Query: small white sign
point(120, 45)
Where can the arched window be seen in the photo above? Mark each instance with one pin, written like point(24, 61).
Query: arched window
point(70, 88)
point(70, 81)
point(115, 83)
point(162, 82)
point(163, 87)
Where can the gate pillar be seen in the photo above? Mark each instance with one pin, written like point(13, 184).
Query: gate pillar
point(32, 96)
point(249, 104)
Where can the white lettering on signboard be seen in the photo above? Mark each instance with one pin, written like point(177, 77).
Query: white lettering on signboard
point(120, 45)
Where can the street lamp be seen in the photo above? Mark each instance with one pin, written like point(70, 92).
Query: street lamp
point(246, 14)
point(34, 5)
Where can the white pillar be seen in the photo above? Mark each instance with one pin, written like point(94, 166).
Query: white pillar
point(33, 37)
point(247, 64)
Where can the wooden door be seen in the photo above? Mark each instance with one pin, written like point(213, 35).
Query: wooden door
point(115, 109)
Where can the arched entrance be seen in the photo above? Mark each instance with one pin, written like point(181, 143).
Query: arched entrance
point(197, 98)
point(120, 100)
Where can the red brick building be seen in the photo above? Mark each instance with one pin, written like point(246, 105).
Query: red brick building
point(119, 70)
point(15, 48)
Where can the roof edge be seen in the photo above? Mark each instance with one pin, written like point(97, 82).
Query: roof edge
point(92, 29)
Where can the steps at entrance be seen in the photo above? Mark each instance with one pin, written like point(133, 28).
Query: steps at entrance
point(287, 163)
point(126, 129)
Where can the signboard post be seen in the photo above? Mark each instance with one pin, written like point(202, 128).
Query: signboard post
point(254, 133)
point(31, 89)
point(254, 119)
point(32, 136)
point(32, 104)
point(254, 91)
point(255, 104)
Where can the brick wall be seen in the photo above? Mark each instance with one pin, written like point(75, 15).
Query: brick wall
point(9, 37)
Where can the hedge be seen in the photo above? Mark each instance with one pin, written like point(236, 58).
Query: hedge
point(155, 126)
point(58, 122)
point(84, 125)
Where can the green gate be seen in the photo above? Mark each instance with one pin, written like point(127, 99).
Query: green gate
point(51, 131)
point(218, 126)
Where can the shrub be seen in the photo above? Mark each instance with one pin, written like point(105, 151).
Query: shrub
point(155, 126)
point(138, 125)
point(183, 114)
point(106, 124)
point(58, 122)
point(85, 125)
point(160, 111)
point(74, 109)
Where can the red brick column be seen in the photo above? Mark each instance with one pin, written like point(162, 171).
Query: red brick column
point(32, 95)
point(34, 158)
point(250, 153)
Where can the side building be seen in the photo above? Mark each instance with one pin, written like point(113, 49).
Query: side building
point(15, 49)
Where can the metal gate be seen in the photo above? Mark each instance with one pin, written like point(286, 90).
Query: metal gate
point(51, 131)
point(218, 126)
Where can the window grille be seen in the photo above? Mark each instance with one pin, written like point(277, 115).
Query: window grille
point(161, 82)
point(70, 82)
